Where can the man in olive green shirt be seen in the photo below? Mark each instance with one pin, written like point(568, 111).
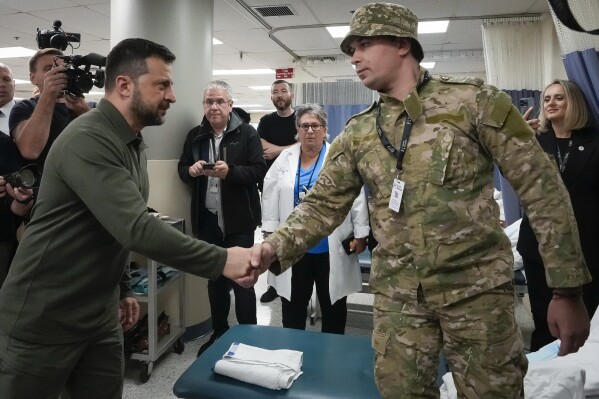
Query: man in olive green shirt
point(442, 270)
point(59, 329)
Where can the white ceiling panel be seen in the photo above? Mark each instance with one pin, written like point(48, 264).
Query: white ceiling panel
point(89, 23)
point(36, 5)
point(457, 51)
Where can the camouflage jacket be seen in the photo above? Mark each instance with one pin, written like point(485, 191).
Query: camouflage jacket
point(446, 236)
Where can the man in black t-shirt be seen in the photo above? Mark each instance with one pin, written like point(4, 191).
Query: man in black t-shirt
point(35, 123)
point(277, 130)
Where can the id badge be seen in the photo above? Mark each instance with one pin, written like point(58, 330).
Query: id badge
point(301, 196)
point(396, 194)
point(214, 188)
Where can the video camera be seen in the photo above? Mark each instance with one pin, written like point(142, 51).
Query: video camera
point(81, 78)
point(56, 38)
point(27, 177)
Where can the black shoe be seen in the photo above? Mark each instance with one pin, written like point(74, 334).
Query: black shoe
point(270, 295)
point(207, 344)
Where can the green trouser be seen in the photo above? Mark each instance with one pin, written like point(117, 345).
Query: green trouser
point(90, 369)
point(478, 335)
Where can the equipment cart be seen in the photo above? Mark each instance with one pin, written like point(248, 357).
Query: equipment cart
point(175, 285)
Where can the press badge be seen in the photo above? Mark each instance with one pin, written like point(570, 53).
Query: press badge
point(396, 194)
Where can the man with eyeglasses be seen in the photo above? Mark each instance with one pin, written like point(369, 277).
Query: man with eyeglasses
point(222, 160)
point(442, 271)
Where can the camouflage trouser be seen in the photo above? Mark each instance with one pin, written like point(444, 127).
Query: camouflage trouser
point(479, 337)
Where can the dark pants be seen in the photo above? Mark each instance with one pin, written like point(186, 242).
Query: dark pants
point(88, 369)
point(540, 296)
point(309, 270)
point(218, 290)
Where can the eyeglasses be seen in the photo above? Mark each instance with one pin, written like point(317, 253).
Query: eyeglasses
point(220, 102)
point(305, 126)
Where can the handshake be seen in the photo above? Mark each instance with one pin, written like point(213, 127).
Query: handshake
point(244, 265)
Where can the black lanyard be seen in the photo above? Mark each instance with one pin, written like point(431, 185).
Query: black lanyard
point(562, 162)
point(297, 176)
point(407, 129)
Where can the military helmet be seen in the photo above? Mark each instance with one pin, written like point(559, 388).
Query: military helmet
point(383, 19)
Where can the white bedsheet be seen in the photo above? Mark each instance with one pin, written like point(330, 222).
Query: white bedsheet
point(574, 376)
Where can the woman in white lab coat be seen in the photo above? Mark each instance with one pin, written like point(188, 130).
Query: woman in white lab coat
point(335, 273)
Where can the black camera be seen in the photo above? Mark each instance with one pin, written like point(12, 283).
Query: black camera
point(26, 177)
point(56, 38)
point(81, 78)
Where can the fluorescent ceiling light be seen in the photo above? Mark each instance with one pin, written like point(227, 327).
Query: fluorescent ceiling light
point(216, 41)
point(423, 27)
point(428, 65)
point(13, 52)
point(22, 82)
point(259, 87)
point(433, 26)
point(338, 31)
point(243, 72)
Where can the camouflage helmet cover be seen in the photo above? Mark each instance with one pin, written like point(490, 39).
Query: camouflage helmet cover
point(383, 19)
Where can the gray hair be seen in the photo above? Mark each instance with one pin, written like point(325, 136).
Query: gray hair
point(313, 109)
point(220, 85)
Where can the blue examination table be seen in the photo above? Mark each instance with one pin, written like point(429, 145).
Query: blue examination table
point(335, 366)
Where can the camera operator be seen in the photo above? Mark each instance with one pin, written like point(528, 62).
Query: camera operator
point(37, 122)
point(14, 204)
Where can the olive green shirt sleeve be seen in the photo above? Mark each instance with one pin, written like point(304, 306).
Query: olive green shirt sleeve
point(111, 179)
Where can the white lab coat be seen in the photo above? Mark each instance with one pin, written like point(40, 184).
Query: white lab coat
point(277, 203)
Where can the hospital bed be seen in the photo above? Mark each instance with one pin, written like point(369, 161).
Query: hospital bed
point(334, 366)
point(574, 376)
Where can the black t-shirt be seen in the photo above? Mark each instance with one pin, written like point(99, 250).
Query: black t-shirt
point(277, 130)
point(60, 119)
point(10, 161)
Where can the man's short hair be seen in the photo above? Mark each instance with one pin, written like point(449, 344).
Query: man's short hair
point(280, 81)
point(128, 58)
point(4, 66)
point(220, 85)
point(41, 53)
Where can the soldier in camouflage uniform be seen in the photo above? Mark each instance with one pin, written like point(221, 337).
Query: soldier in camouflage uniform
point(442, 272)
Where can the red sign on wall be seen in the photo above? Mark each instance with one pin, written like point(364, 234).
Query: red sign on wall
point(284, 73)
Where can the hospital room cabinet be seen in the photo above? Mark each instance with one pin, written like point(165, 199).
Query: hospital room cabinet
point(162, 295)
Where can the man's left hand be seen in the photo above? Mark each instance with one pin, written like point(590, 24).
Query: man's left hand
point(128, 312)
point(568, 321)
point(77, 105)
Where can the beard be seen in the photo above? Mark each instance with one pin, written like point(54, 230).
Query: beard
point(286, 104)
point(144, 112)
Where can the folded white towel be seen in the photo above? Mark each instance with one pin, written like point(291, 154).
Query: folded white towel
point(273, 369)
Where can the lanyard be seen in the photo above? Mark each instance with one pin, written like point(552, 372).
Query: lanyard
point(215, 154)
point(407, 130)
point(297, 177)
point(562, 162)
